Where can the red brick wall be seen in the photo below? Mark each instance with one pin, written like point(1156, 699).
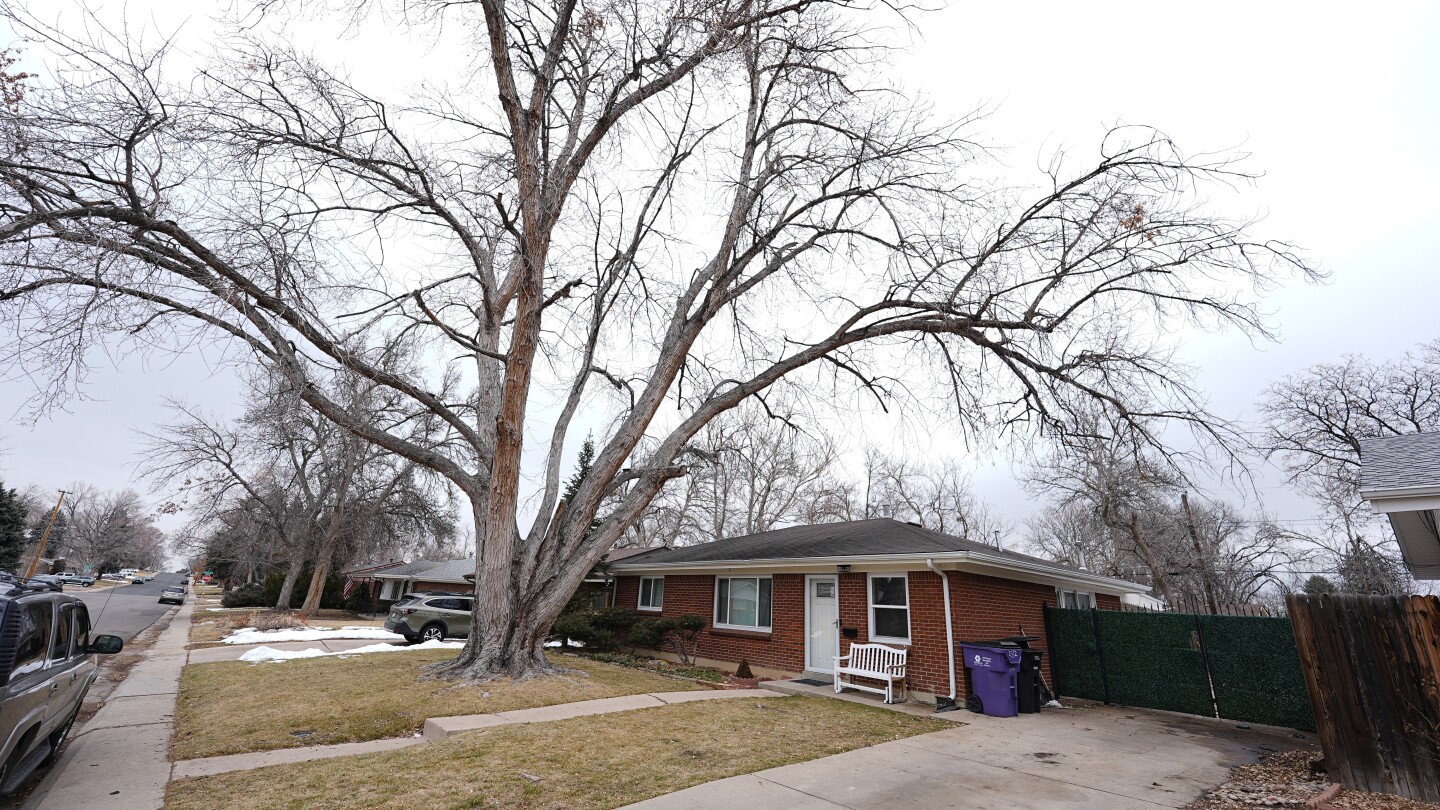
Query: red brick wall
point(1105, 601)
point(988, 608)
point(983, 608)
point(782, 648)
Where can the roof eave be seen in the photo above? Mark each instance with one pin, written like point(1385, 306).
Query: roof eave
point(1402, 499)
point(1108, 584)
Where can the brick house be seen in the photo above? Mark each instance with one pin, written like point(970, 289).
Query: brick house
point(787, 600)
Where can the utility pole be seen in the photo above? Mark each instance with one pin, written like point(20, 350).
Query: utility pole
point(45, 538)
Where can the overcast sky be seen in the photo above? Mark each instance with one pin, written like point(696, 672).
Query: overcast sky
point(1337, 106)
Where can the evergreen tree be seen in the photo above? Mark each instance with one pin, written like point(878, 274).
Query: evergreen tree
point(1318, 585)
point(12, 528)
point(582, 468)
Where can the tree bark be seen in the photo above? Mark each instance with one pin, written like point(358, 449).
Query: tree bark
point(1200, 556)
point(287, 588)
point(317, 579)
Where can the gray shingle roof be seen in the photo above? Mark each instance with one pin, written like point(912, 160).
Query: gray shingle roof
point(858, 538)
point(435, 570)
point(1397, 462)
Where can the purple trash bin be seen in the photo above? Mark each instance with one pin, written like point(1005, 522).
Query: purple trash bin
point(993, 673)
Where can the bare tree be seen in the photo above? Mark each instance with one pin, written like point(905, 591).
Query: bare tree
point(1314, 419)
point(106, 530)
point(315, 488)
point(1126, 515)
point(751, 470)
point(688, 205)
point(1313, 422)
point(938, 496)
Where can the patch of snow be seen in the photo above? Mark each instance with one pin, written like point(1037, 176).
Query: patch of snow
point(573, 643)
point(249, 635)
point(424, 645)
point(269, 654)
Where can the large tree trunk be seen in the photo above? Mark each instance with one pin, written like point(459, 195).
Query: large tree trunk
point(322, 568)
point(287, 588)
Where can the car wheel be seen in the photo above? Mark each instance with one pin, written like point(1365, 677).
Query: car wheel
point(432, 632)
point(58, 738)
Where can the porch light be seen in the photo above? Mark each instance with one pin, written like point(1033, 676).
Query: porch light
point(842, 569)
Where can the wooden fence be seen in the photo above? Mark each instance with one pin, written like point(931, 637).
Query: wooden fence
point(1372, 665)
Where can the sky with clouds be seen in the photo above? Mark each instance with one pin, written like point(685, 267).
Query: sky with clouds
point(1336, 104)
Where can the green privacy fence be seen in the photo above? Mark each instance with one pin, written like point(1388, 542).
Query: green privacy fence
point(1237, 667)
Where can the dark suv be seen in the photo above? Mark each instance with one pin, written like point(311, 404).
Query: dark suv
point(47, 663)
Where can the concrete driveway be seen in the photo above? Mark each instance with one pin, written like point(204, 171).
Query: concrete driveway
point(1087, 757)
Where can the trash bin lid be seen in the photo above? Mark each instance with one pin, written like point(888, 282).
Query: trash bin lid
point(979, 656)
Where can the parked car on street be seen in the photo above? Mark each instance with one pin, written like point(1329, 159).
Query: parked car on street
point(71, 578)
point(425, 617)
point(47, 663)
point(175, 595)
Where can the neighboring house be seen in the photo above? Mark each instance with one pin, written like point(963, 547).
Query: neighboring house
point(426, 575)
point(788, 600)
point(1400, 477)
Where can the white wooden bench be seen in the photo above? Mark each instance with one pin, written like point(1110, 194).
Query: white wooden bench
point(874, 661)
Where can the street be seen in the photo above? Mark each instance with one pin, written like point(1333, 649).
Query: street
point(125, 610)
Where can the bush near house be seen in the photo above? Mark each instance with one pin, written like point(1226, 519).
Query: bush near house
point(679, 634)
point(599, 630)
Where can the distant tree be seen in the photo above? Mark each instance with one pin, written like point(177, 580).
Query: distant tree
point(1367, 570)
point(1320, 585)
point(12, 528)
point(1313, 423)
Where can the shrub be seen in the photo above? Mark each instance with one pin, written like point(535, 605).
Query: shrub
point(275, 620)
point(252, 595)
point(743, 671)
point(681, 635)
point(649, 634)
point(573, 627)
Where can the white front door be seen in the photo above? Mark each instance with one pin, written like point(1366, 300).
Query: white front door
point(822, 623)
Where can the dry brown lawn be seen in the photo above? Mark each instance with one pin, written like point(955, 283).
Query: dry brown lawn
point(234, 706)
point(206, 629)
point(587, 762)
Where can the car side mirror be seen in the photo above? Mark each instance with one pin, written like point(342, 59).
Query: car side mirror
point(105, 645)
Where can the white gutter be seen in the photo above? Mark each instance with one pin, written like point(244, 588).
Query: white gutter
point(992, 560)
point(949, 625)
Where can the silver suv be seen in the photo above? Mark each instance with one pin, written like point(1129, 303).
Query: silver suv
point(431, 616)
point(47, 663)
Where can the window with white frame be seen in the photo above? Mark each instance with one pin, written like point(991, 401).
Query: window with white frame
point(743, 602)
point(1078, 600)
point(652, 593)
point(391, 590)
point(890, 608)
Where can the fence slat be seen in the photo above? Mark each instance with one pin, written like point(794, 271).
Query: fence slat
point(1371, 665)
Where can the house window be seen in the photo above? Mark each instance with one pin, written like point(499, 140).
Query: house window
point(743, 602)
point(890, 608)
point(652, 593)
point(391, 590)
point(1076, 600)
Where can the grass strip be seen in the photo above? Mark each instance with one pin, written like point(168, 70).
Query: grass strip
point(232, 707)
point(585, 762)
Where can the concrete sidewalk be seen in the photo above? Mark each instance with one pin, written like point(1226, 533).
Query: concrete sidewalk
point(120, 758)
point(1094, 757)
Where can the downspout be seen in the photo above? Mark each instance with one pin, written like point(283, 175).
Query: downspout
point(946, 704)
